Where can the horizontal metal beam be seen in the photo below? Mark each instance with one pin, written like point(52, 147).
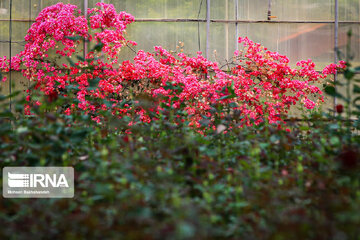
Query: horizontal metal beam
point(212, 20)
point(278, 21)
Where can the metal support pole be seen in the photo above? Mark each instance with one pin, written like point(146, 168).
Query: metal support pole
point(198, 26)
point(29, 25)
point(207, 29)
point(10, 41)
point(102, 55)
point(226, 30)
point(30, 4)
point(85, 14)
point(236, 24)
point(39, 6)
point(269, 10)
point(336, 43)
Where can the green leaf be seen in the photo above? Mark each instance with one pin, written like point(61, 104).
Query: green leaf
point(72, 87)
point(74, 38)
point(240, 204)
point(334, 140)
point(12, 95)
point(169, 86)
point(98, 47)
point(222, 90)
point(356, 89)
point(71, 61)
point(6, 115)
point(227, 97)
point(79, 136)
point(330, 90)
point(355, 100)
point(233, 105)
point(3, 97)
point(349, 73)
point(94, 82)
point(123, 102)
point(80, 58)
point(231, 88)
point(175, 98)
point(357, 113)
point(357, 69)
point(349, 33)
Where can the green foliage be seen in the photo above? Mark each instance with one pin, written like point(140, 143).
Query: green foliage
point(165, 181)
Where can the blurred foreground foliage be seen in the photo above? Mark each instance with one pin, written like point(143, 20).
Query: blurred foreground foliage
point(166, 181)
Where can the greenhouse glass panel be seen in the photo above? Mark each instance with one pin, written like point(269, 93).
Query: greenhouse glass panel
point(19, 31)
point(297, 41)
point(46, 3)
point(159, 8)
point(20, 9)
point(222, 9)
point(36, 7)
point(16, 48)
point(303, 10)
point(20, 83)
point(171, 36)
point(4, 49)
point(4, 9)
point(349, 10)
point(4, 31)
point(344, 28)
point(304, 41)
point(252, 9)
point(222, 42)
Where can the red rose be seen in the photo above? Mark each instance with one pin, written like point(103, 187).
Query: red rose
point(339, 108)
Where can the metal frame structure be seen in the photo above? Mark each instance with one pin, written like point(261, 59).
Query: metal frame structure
point(10, 42)
point(336, 42)
point(207, 28)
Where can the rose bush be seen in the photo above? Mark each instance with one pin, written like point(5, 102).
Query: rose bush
point(261, 87)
